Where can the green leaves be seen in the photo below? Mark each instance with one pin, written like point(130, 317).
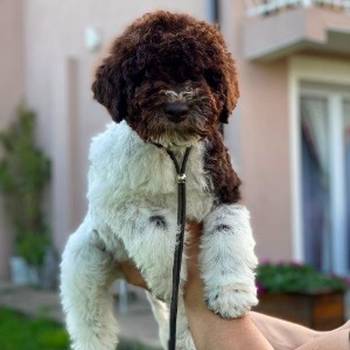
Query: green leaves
point(296, 278)
point(24, 174)
point(32, 246)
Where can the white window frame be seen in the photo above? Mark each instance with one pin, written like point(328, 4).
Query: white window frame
point(319, 71)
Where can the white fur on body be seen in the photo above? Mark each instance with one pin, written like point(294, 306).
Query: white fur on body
point(132, 215)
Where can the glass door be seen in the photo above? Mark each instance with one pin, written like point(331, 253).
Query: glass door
point(315, 156)
point(325, 178)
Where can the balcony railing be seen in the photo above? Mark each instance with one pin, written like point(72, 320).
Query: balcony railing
point(267, 7)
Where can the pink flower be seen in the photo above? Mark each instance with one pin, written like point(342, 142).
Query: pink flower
point(260, 288)
point(264, 261)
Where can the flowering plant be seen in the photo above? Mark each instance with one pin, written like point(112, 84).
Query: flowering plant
point(296, 278)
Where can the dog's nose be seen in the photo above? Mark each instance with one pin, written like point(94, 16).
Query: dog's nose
point(176, 110)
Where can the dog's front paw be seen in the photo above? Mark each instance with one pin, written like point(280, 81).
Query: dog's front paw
point(231, 301)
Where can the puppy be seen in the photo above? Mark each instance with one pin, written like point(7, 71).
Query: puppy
point(167, 82)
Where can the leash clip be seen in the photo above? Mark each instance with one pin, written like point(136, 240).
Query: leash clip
point(181, 178)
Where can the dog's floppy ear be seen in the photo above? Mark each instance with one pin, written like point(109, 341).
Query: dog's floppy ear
point(231, 87)
point(108, 88)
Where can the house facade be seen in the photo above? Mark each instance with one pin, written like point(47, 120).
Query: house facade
point(289, 136)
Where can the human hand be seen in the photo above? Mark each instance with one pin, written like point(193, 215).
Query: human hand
point(132, 274)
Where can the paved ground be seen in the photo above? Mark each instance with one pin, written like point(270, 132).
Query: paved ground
point(137, 323)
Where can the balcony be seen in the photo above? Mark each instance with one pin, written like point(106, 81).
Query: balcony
point(279, 28)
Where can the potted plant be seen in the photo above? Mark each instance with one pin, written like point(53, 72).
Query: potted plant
point(301, 294)
point(24, 175)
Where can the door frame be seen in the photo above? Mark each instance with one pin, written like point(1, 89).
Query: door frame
point(319, 71)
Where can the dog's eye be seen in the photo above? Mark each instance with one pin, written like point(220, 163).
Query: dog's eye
point(196, 78)
point(138, 79)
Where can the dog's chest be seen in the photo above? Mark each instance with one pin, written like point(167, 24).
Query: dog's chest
point(154, 179)
point(125, 171)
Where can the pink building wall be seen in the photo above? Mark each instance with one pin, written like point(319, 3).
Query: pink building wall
point(263, 139)
point(11, 93)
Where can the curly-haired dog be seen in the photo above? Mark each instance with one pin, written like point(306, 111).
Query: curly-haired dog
point(168, 81)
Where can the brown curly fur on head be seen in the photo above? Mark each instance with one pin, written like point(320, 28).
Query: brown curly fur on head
point(165, 58)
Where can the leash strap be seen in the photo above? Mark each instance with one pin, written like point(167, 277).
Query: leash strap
point(181, 222)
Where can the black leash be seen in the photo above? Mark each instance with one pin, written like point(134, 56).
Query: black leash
point(181, 221)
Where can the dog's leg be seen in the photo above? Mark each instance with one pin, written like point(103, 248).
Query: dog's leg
point(87, 272)
point(160, 310)
point(150, 243)
point(227, 261)
point(161, 314)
